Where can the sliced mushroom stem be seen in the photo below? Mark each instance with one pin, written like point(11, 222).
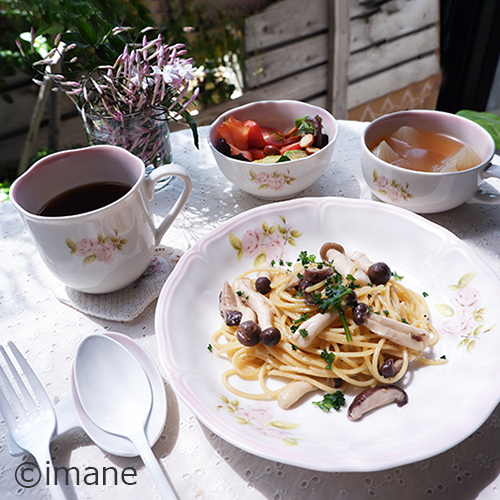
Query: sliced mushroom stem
point(398, 332)
point(255, 301)
point(360, 259)
point(314, 326)
point(228, 306)
point(376, 397)
point(342, 264)
point(292, 392)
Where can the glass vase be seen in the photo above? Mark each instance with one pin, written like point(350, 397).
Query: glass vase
point(145, 134)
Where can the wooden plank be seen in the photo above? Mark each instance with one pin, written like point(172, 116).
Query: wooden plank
point(274, 64)
point(386, 55)
point(285, 22)
point(300, 87)
point(394, 79)
point(418, 95)
point(396, 18)
point(338, 49)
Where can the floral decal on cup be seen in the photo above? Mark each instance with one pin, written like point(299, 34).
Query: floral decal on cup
point(102, 248)
point(266, 242)
point(260, 419)
point(465, 315)
point(391, 189)
point(275, 181)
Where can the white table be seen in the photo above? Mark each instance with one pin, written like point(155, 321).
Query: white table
point(200, 464)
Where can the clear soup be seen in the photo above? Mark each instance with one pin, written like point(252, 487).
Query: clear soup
point(426, 151)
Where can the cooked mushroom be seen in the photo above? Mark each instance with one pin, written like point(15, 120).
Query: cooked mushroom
point(398, 332)
point(359, 258)
point(292, 392)
point(391, 367)
point(248, 333)
point(379, 273)
point(228, 306)
point(258, 303)
point(313, 327)
point(334, 253)
point(375, 397)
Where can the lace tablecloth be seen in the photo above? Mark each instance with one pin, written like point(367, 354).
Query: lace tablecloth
point(200, 464)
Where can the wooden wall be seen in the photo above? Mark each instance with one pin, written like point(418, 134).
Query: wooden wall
point(380, 56)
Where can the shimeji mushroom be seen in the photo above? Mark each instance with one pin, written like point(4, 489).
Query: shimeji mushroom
point(379, 273)
point(313, 326)
point(375, 397)
point(269, 335)
point(398, 332)
point(294, 391)
point(335, 254)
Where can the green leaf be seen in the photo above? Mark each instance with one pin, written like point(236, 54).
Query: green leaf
point(89, 259)
point(488, 121)
point(445, 310)
point(291, 441)
point(71, 244)
point(465, 280)
point(260, 259)
point(280, 424)
point(235, 242)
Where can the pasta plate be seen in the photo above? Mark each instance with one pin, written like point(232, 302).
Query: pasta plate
point(447, 402)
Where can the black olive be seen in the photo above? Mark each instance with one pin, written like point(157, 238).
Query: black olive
point(270, 336)
point(263, 285)
point(359, 313)
point(248, 333)
point(379, 273)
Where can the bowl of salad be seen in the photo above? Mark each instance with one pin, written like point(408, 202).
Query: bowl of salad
point(273, 149)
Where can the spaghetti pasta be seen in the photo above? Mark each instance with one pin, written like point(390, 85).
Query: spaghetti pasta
point(342, 352)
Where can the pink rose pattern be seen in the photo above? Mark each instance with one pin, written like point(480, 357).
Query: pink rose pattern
point(267, 242)
point(391, 189)
point(102, 249)
point(465, 315)
point(259, 418)
point(275, 181)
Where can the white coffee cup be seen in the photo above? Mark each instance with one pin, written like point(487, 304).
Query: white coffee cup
point(105, 249)
point(427, 192)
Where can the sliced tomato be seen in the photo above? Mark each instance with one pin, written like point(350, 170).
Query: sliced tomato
point(257, 154)
point(234, 132)
point(290, 147)
point(236, 152)
point(255, 137)
point(272, 136)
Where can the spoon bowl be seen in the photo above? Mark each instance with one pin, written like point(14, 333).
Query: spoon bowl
point(116, 395)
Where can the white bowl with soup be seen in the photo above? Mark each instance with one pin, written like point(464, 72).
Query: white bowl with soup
point(426, 161)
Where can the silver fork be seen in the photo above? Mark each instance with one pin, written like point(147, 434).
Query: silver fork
point(31, 428)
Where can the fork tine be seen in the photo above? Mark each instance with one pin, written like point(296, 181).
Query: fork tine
point(17, 377)
point(5, 409)
point(36, 384)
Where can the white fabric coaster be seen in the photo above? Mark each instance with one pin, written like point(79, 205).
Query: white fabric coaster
point(126, 304)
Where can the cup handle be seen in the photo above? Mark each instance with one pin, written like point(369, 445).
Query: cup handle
point(158, 174)
point(492, 171)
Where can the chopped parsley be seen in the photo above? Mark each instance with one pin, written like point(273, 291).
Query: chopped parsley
point(328, 357)
point(396, 276)
point(294, 347)
point(303, 333)
point(333, 401)
point(306, 259)
point(334, 293)
point(209, 347)
point(425, 294)
point(405, 321)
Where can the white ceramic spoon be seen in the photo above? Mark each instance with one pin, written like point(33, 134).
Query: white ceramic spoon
point(115, 393)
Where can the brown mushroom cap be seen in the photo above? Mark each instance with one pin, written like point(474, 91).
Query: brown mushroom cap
point(329, 246)
point(375, 397)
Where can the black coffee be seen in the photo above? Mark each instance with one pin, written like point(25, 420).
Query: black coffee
point(84, 199)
